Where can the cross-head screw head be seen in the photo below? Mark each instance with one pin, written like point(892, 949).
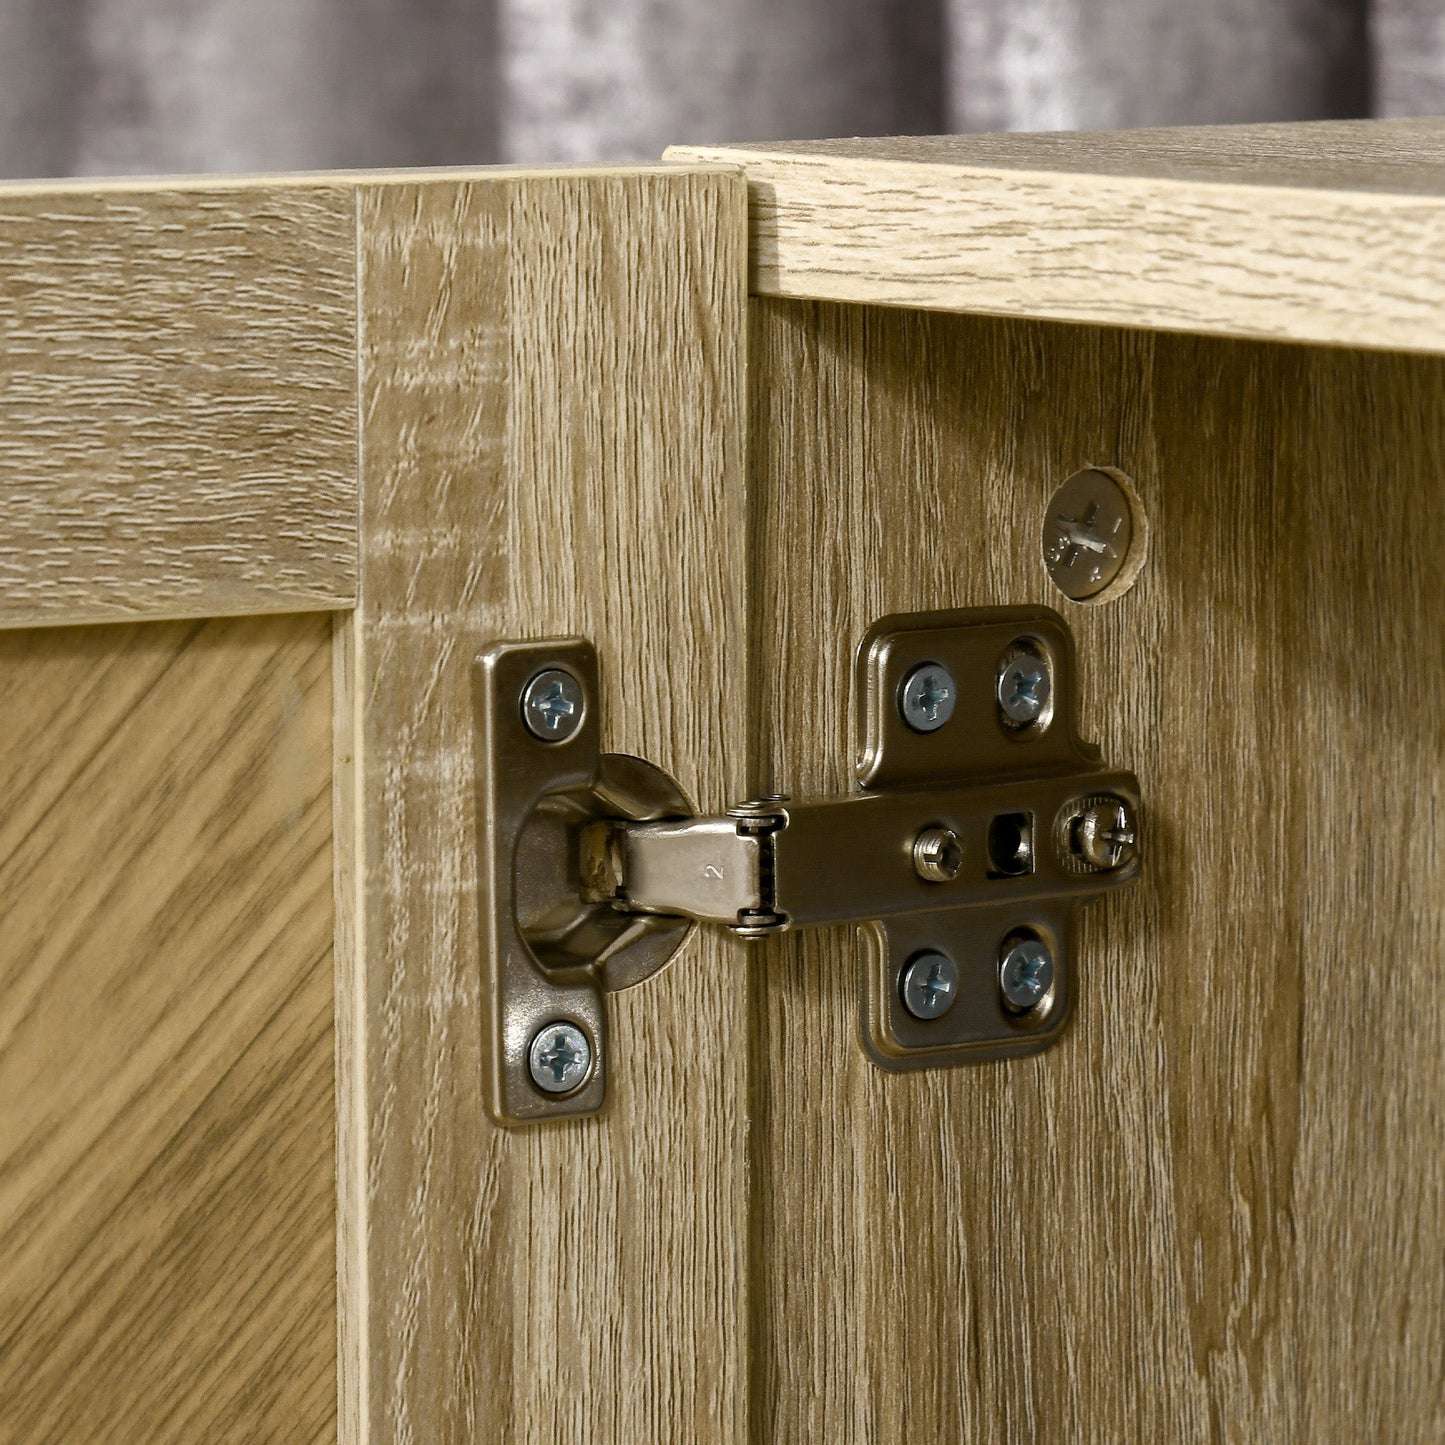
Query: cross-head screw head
point(929, 985)
point(560, 1058)
point(553, 705)
point(937, 855)
point(1024, 688)
point(1088, 533)
point(1106, 834)
point(1025, 972)
point(927, 697)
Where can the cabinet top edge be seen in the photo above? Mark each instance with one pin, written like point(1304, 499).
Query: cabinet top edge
point(1385, 157)
point(348, 179)
point(1327, 233)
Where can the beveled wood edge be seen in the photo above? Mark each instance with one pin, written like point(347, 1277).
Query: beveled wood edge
point(279, 604)
point(353, 1311)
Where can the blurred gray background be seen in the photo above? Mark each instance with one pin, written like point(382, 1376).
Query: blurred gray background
point(105, 86)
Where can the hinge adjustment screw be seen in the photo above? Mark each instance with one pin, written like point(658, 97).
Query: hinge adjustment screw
point(937, 855)
point(1105, 834)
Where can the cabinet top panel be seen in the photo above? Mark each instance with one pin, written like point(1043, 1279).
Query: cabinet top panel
point(1329, 232)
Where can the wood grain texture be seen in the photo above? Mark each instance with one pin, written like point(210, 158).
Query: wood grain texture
point(551, 444)
point(1216, 1210)
point(167, 1198)
point(1330, 232)
point(177, 402)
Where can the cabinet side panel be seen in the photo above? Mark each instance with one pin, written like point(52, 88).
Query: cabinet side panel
point(551, 445)
point(177, 403)
point(167, 1214)
point(1214, 1211)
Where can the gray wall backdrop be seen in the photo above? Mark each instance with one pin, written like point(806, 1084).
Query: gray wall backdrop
point(110, 86)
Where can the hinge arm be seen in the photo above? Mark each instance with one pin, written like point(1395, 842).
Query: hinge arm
point(774, 865)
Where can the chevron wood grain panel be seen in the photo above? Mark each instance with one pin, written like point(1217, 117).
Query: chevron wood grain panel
point(167, 1195)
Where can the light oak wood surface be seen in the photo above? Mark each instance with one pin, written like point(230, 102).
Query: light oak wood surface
point(1215, 1211)
point(508, 404)
point(167, 1194)
point(177, 402)
point(551, 394)
point(1330, 233)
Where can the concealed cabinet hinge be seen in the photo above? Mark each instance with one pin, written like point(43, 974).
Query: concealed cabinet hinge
point(981, 823)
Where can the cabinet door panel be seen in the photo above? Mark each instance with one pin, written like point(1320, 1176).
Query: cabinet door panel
point(477, 405)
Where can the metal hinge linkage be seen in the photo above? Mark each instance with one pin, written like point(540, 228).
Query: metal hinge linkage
point(982, 822)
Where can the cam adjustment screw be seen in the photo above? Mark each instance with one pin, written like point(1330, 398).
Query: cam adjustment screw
point(929, 985)
point(1105, 835)
point(1024, 687)
point(1025, 973)
point(927, 697)
point(553, 705)
point(560, 1058)
point(937, 855)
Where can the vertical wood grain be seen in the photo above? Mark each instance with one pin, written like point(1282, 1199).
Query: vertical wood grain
point(167, 1198)
point(1215, 1211)
point(551, 444)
